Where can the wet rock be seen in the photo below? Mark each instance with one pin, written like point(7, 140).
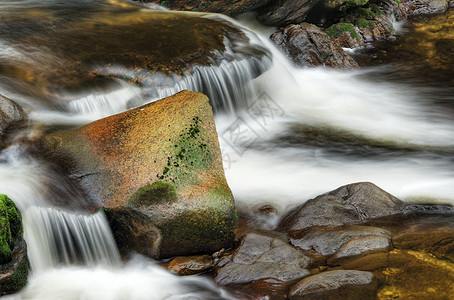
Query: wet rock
point(373, 22)
point(328, 240)
point(173, 140)
point(134, 232)
point(327, 12)
point(14, 275)
point(348, 204)
point(417, 275)
point(14, 263)
point(424, 7)
point(261, 255)
point(190, 265)
point(153, 49)
point(338, 284)
point(429, 209)
point(430, 233)
point(226, 7)
point(376, 30)
point(11, 113)
point(345, 34)
point(285, 12)
point(10, 227)
point(308, 46)
point(342, 5)
point(360, 247)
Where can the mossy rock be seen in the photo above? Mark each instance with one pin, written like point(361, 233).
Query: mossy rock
point(156, 193)
point(162, 159)
point(338, 29)
point(363, 23)
point(10, 227)
point(14, 263)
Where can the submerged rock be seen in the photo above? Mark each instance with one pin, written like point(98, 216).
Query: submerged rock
point(14, 263)
point(348, 204)
point(162, 160)
point(285, 12)
point(423, 230)
point(259, 256)
point(416, 275)
point(308, 46)
point(339, 284)
point(156, 50)
point(10, 113)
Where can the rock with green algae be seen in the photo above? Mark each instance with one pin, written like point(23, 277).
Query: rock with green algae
point(155, 193)
point(306, 45)
point(14, 263)
point(170, 145)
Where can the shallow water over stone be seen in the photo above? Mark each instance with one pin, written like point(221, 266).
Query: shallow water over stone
point(52, 52)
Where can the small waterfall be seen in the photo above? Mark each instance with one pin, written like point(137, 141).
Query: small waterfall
point(229, 86)
point(99, 105)
point(56, 237)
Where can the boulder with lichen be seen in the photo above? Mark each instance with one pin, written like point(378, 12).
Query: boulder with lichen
point(161, 160)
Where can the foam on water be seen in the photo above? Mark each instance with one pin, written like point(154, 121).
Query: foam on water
point(265, 171)
point(284, 176)
point(60, 238)
point(140, 279)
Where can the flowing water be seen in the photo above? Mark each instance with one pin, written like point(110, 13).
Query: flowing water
point(286, 136)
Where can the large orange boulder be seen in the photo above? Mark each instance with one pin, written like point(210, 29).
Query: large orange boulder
point(162, 160)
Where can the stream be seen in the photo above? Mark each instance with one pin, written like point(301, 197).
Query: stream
point(309, 131)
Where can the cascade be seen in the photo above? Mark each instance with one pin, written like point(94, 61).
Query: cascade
point(56, 237)
point(326, 129)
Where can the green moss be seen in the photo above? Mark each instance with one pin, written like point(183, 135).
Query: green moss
point(375, 10)
point(338, 29)
point(19, 278)
point(10, 227)
point(190, 156)
point(363, 23)
point(349, 4)
point(157, 193)
point(365, 13)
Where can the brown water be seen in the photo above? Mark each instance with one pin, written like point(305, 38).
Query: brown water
point(422, 57)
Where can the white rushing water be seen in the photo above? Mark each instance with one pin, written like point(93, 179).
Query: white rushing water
point(61, 238)
point(265, 172)
point(74, 256)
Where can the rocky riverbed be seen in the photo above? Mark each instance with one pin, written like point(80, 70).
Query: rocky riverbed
point(153, 174)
